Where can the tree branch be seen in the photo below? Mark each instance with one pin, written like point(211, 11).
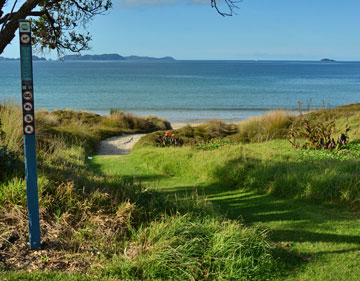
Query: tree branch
point(8, 32)
point(2, 3)
point(8, 16)
point(37, 13)
point(231, 4)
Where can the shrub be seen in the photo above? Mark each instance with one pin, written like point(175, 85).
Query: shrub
point(9, 161)
point(168, 139)
point(318, 135)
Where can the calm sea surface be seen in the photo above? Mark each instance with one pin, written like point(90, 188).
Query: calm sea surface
point(187, 91)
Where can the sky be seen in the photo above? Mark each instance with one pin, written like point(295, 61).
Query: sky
point(261, 30)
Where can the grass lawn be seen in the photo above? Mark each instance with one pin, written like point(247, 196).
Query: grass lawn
point(318, 239)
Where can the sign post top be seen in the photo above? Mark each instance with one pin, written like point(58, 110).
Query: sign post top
point(25, 26)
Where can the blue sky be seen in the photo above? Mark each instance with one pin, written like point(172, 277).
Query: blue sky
point(262, 29)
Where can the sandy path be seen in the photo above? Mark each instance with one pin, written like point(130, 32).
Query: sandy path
point(119, 145)
point(123, 144)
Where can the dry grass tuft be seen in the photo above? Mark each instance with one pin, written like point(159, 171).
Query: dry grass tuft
point(265, 127)
point(11, 118)
point(14, 247)
point(128, 121)
point(69, 244)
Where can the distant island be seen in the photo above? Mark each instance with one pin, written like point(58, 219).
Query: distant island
point(103, 57)
point(35, 58)
point(327, 60)
point(112, 57)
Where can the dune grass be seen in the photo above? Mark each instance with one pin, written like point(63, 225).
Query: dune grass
point(273, 125)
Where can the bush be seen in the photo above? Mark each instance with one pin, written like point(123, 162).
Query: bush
point(9, 161)
point(168, 139)
point(318, 135)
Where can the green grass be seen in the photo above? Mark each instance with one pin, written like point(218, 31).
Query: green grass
point(192, 248)
point(305, 199)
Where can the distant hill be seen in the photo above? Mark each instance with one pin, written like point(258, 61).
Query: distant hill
point(7, 59)
point(327, 60)
point(112, 57)
point(137, 58)
point(104, 57)
point(35, 58)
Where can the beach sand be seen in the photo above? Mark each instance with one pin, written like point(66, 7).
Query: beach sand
point(122, 145)
point(119, 145)
point(176, 126)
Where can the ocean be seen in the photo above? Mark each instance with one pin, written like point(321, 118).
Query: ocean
point(187, 91)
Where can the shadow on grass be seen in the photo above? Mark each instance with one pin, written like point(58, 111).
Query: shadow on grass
point(253, 208)
point(290, 220)
point(139, 177)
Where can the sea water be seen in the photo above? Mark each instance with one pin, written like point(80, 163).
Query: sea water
point(187, 91)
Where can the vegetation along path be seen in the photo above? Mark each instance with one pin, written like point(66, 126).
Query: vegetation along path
point(316, 240)
point(212, 202)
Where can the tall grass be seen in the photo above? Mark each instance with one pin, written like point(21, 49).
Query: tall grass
point(196, 248)
point(128, 121)
point(11, 118)
point(273, 125)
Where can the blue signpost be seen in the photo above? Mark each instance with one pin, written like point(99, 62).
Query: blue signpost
point(27, 92)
